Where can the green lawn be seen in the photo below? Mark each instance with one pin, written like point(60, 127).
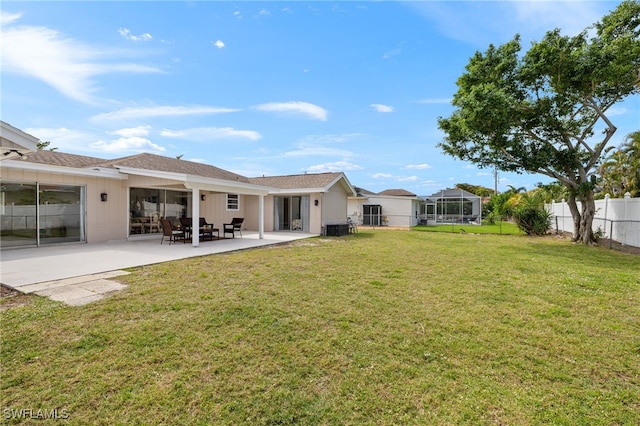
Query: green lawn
point(381, 328)
point(500, 228)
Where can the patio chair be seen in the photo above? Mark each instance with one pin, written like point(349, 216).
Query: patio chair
point(207, 230)
point(186, 225)
point(353, 226)
point(168, 230)
point(235, 225)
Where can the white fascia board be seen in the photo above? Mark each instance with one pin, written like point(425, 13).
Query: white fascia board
point(222, 185)
point(17, 136)
point(100, 172)
point(291, 191)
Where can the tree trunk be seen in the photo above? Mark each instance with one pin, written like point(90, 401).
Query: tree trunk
point(588, 212)
point(577, 218)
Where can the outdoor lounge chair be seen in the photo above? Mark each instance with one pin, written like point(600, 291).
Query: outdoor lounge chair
point(235, 225)
point(168, 230)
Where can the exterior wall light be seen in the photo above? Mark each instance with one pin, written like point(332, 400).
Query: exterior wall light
point(103, 196)
point(315, 202)
point(203, 197)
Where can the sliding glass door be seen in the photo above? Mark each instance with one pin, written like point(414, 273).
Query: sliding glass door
point(148, 205)
point(33, 214)
point(291, 213)
point(61, 214)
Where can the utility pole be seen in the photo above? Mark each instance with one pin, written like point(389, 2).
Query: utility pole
point(495, 180)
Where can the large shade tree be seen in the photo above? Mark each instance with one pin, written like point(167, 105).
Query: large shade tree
point(540, 112)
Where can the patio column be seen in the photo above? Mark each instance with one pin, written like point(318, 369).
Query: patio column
point(195, 217)
point(261, 216)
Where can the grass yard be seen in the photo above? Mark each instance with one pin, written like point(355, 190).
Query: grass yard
point(379, 328)
point(500, 228)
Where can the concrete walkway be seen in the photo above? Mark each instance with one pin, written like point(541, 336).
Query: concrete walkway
point(77, 274)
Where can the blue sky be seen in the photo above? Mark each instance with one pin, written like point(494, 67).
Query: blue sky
point(267, 88)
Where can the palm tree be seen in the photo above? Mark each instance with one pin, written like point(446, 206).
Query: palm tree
point(620, 171)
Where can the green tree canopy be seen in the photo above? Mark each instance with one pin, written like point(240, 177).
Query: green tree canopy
point(479, 190)
point(538, 112)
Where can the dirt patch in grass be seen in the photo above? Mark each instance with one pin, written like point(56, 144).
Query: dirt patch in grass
point(10, 298)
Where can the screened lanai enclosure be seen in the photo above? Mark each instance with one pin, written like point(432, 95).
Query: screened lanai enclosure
point(452, 206)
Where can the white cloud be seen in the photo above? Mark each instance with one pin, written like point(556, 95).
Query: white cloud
point(391, 53)
point(203, 134)
point(64, 139)
point(338, 166)
point(122, 145)
point(132, 131)
point(317, 151)
point(311, 110)
point(407, 178)
point(219, 44)
point(436, 101)
point(475, 22)
point(131, 139)
point(160, 111)
point(7, 18)
point(381, 176)
point(422, 166)
point(330, 139)
point(125, 33)
point(382, 108)
point(65, 64)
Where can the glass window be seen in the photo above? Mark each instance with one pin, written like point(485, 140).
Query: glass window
point(233, 202)
point(18, 224)
point(147, 206)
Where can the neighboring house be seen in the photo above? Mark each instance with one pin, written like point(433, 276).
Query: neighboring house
point(392, 207)
point(306, 202)
point(54, 197)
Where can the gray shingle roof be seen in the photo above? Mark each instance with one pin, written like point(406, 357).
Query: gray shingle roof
point(55, 158)
point(397, 193)
point(361, 192)
point(173, 165)
point(308, 180)
point(139, 161)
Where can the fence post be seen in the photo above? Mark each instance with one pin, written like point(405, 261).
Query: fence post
point(563, 202)
point(606, 207)
point(611, 236)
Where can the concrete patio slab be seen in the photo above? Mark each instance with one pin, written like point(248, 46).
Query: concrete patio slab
point(77, 274)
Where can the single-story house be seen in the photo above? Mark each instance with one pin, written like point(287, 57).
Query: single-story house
point(53, 197)
point(391, 207)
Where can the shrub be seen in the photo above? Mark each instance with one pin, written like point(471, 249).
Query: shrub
point(532, 220)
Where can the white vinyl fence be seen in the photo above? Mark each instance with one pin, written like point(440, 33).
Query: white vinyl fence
point(617, 219)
